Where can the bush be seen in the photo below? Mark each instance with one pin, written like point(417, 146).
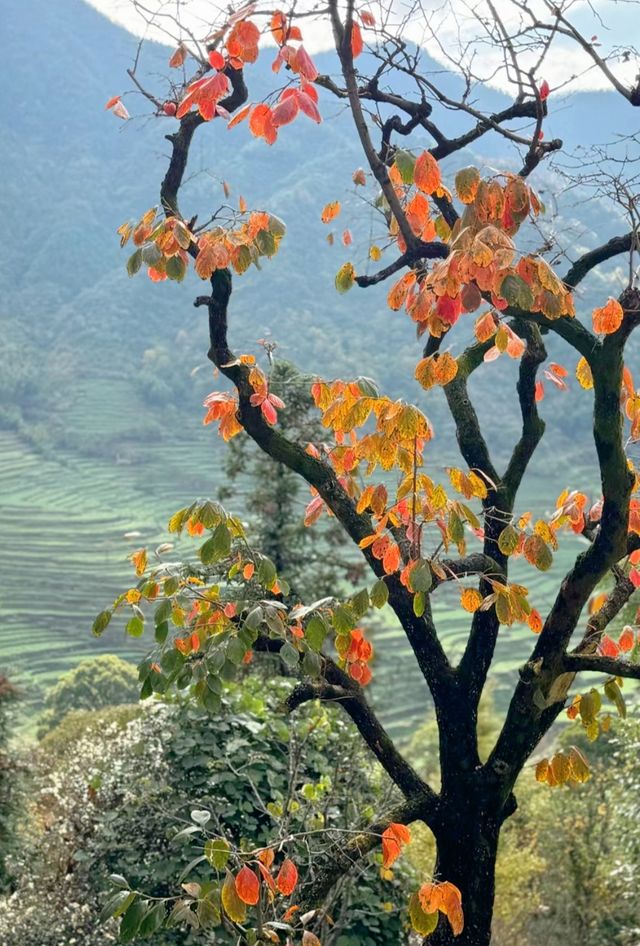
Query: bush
point(112, 789)
point(99, 681)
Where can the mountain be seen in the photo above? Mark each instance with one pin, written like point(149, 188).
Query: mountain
point(102, 376)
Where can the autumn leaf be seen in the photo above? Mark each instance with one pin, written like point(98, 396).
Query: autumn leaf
point(139, 561)
point(608, 319)
point(394, 837)
point(426, 173)
point(345, 277)
point(330, 211)
point(231, 902)
point(467, 181)
point(470, 599)
point(287, 878)
point(357, 44)
point(178, 57)
point(248, 886)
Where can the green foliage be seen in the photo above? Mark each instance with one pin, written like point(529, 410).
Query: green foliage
point(112, 790)
point(106, 680)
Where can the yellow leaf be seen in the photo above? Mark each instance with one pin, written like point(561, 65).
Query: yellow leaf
point(233, 905)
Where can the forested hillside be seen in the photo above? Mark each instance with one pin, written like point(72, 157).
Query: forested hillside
point(102, 377)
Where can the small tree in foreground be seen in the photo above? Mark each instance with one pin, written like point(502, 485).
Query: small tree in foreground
point(452, 251)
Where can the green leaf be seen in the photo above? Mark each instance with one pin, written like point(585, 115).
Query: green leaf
point(289, 655)
point(516, 291)
point(101, 622)
point(134, 262)
point(117, 904)
point(131, 920)
point(379, 594)
point(420, 578)
point(423, 923)
point(315, 632)
point(343, 620)
point(508, 540)
point(311, 664)
point(161, 632)
point(208, 914)
point(217, 851)
point(236, 651)
point(266, 243)
point(266, 573)
point(153, 920)
point(119, 881)
point(135, 626)
point(405, 163)
point(217, 547)
point(176, 268)
point(360, 603)
point(419, 604)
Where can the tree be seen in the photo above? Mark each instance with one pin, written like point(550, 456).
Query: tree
point(456, 253)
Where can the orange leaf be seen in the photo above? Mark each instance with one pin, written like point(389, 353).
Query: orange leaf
point(394, 837)
point(139, 561)
point(178, 57)
point(248, 886)
point(426, 173)
point(535, 621)
point(240, 116)
point(287, 878)
point(471, 599)
point(330, 211)
point(608, 319)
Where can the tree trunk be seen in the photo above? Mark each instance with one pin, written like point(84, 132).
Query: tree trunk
point(467, 847)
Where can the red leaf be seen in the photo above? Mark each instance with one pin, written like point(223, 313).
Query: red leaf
point(216, 59)
point(285, 111)
point(357, 44)
point(287, 878)
point(608, 647)
point(544, 90)
point(308, 106)
point(248, 886)
point(634, 578)
point(626, 639)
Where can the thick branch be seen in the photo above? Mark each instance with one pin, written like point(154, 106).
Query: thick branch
point(341, 689)
point(532, 424)
point(421, 251)
point(576, 663)
point(583, 266)
point(181, 142)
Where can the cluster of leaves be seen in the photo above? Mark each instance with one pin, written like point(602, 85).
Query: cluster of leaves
point(206, 628)
point(563, 768)
point(164, 244)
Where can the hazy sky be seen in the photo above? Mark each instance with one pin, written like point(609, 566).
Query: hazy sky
point(613, 23)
